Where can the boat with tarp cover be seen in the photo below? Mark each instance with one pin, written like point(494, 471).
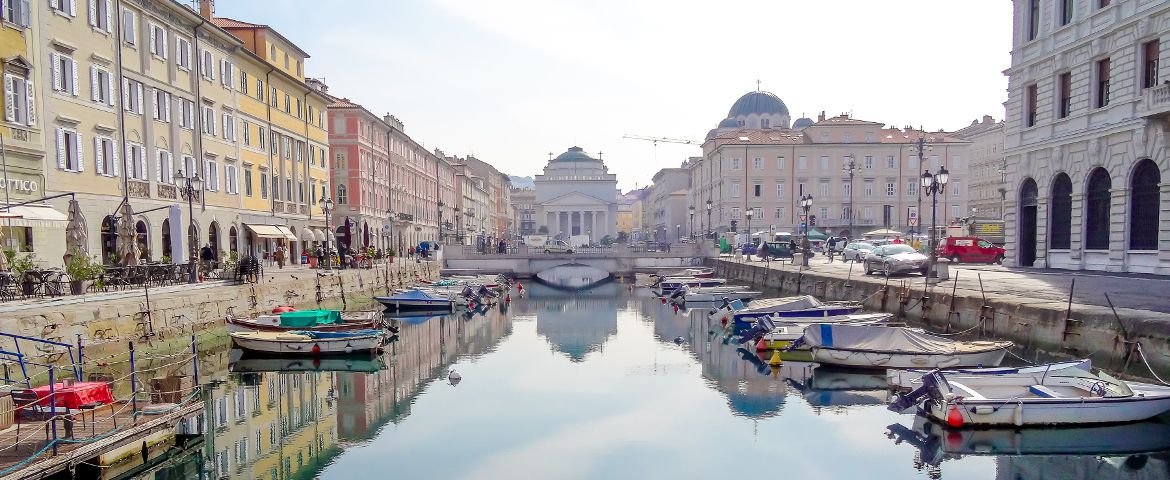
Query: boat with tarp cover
point(876, 346)
point(309, 342)
point(319, 320)
point(415, 300)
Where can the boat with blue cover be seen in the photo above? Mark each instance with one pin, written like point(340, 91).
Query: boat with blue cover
point(284, 319)
point(779, 309)
point(416, 300)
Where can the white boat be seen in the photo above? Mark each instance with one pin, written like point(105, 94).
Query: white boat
point(786, 331)
point(714, 294)
point(877, 346)
point(319, 320)
point(1064, 397)
point(415, 300)
point(798, 307)
point(668, 285)
point(908, 380)
point(310, 343)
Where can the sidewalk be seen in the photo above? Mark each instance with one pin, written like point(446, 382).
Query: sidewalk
point(1135, 291)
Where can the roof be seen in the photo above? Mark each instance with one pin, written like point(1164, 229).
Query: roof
point(231, 23)
point(844, 119)
point(758, 102)
point(786, 136)
point(575, 154)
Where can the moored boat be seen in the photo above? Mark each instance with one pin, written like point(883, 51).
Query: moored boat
point(799, 306)
point(784, 332)
point(319, 320)
point(308, 342)
point(340, 363)
point(713, 294)
point(668, 285)
point(416, 300)
point(908, 380)
point(877, 346)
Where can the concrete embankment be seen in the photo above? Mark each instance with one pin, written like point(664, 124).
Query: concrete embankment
point(107, 322)
point(1039, 325)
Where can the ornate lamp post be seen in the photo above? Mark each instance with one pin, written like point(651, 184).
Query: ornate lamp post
point(806, 203)
point(441, 205)
point(920, 148)
point(710, 227)
point(848, 169)
point(327, 205)
point(678, 232)
point(749, 213)
point(691, 227)
point(934, 185)
point(189, 187)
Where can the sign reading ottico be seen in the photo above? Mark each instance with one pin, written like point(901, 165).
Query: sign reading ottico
point(21, 186)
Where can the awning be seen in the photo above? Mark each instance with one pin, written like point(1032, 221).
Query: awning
point(270, 231)
point(33, 216)
point(307, 235)
point(288, 235)
point(321, 235)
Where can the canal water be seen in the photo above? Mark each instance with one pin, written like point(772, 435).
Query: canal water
point(608, 383)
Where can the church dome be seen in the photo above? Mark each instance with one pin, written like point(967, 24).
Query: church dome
point(760, 103)
point(729, 123)
point(801, 123)
point(575, 154)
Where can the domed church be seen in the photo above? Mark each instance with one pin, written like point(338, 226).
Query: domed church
point(758, 109)
point(577, 195)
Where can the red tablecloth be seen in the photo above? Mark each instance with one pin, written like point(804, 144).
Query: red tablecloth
point(76, 395)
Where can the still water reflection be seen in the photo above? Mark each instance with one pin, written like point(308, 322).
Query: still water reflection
point(606, 383)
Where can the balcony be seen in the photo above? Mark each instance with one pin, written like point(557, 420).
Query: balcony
point(1155, 102)
point(138, 189)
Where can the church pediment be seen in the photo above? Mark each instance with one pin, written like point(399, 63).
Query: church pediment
point(575, 198)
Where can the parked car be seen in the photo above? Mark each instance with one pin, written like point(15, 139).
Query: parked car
point(557, 246)
point(894, 259)
point(970, 250)
point(856, 251)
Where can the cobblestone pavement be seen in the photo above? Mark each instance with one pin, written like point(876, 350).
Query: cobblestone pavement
point(1136, 291)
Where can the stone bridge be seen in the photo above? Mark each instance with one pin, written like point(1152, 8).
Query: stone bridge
point(619, 261)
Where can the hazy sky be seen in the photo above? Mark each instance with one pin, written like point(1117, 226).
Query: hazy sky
point(511, 80)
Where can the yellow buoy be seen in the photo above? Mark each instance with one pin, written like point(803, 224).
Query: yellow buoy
point(775, 361)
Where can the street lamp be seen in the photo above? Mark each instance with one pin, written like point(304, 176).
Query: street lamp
point(691, 226)
point(189, 188)
point(748, 214)
point(327, 205)
point(806, 203)
point(1002, 187)
point(933, 185)
point(710, 227)
point(441, 205)
point(849, 167)
point(920, 148)
point(678, 232)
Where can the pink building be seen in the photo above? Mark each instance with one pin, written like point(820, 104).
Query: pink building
point(359, 152)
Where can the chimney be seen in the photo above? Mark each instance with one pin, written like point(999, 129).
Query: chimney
point(821, 116)
point(207, 8)
point(988, 119)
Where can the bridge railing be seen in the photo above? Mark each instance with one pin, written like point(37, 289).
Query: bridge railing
point(520, 251)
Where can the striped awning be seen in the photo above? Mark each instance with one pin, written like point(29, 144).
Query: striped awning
point(271, 231)
point(33, 216)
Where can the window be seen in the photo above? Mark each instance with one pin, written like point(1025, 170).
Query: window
point(263, 184)
point(824, 163)
point(17, 12)
point(757, 163)
point(132, 95)
point(1066, 12)
point(735, 164)
point(779, 213)
point(286, 60)
point(1033, 19)
point(206, 65)
point(800, 189)
point(342, 196)
point(247, 129)
point(298, 108)
point(1030, 108)
point(129, 26)
point(162, 106)
point(211, 175)
point(1144, 200)
point(164, 166)
point(229, 178)
point(765, 122)
point(272, 97)
point(802, 163)
point(229, 127)
point(1060, 229)
point(301, 192)
point(183, 53)
point(1102, 83)
point(735, 213)
point(1150, 52)
point(227, 73)
point(891, 163)
point(847, 189)
point(867, 163)
point(1103, 3)
point(891, 189)
point(757, 190)
point(287, 103)
point(912, 187)
point(135, 161)
point(1097, 210)
point(260, 136)
point(64, 7)
point(99, 14)
point(188, 119)
point(158, 41)
point(208, 121)
point(100, 85)
point(1064, 85)
point(272, 51)
point(189, 165)
point(247, 181)
point(867, 213)
point(105, 157)
point(243, 82)
point(19, 100)
point(779, 191)
point(259, 89)
point(956, 186)
point(780, 163)
point(824, 188)
point(64, 74)
point(846, 212)
point(868, 188)
point(69, 150)
point(736, 189)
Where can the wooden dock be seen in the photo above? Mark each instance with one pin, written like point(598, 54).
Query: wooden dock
point(98, 425)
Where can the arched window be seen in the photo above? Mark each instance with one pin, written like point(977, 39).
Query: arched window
point(213, 238)
point(143, 240)
point(1060, 231)
point(233, 239)
point(1097, 210)
point(109, 246)
point(193, 241)
point(1144, 202)
point(166, 238)
point(342, 195)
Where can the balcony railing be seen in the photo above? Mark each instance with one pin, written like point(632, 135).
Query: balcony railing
point(1155, 101)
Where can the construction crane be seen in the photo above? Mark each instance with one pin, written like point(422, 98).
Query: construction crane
point(655, 140)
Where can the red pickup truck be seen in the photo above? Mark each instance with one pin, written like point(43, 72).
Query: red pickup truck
point(971, 250)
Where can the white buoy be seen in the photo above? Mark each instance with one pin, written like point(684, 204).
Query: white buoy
point(454, 377)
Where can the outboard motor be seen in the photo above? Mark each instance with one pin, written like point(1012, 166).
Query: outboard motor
point(680, 292)
point(930, 388)
point(761, 327)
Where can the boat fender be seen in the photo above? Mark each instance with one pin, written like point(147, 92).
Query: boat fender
point(664, 300)
point(983, 409)
point(775, 361)
point(724, 321)
point(954, 417)
point(676, 309)
point(1018, 415)
point(348, 348)
point(316, 348)
point(761, 345)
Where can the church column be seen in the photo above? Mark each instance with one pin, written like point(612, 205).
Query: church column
point(594, 226)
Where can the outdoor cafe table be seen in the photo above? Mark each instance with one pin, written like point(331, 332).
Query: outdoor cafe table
point(76, 395)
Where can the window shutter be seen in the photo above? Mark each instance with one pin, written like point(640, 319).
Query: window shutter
point(94, 88)
point(61, 148)
point(165, 42)
point(226, 134)
point(72, 7)
point(139, 107)
point(80, 153)
point(141, 158)
point(25, 9)
point(190, 114)
point(153, 41)
point(125, 92)
point(114, 160)
point(202, 64)
point(97, 157)
point(73, 73)
point(31, 104)
point(109, 16)
point(110, 89)
point(56, 71)
point(9, 98)
point(155, 111)
point(93, 13)
point(207, 175)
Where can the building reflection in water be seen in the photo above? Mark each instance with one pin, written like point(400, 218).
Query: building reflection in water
point(575, 325)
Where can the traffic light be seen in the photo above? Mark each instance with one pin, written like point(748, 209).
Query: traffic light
point(812, 220)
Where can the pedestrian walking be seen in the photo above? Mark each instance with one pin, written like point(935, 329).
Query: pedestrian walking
point(279, 256)
point(320, 254)
point(206, 257)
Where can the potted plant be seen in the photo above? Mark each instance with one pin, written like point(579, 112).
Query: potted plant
point(82, 270)
point(167, 259)
point(19, 264)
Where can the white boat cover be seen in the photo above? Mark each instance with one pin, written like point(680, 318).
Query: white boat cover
point(877, 338)
point(786, 304)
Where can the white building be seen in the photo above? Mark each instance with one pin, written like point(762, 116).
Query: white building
point(577, 195)
point(1084, 141)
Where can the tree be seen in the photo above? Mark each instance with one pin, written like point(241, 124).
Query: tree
point(607, 240)
point(543, 230)
point(623, 238)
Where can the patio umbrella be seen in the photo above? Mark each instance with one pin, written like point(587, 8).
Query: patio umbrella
point(884, 232)
point(76, 240)
point(128, 250)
